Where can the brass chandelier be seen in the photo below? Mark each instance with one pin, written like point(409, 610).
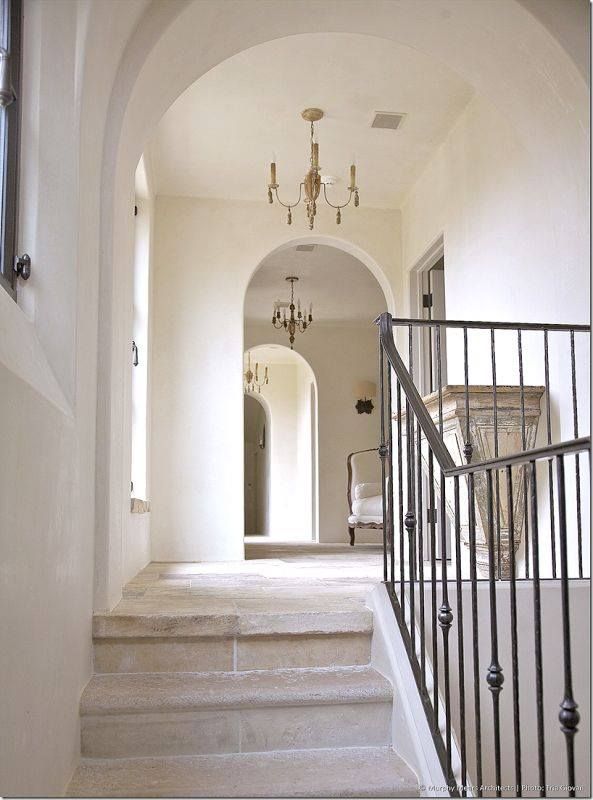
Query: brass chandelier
point(312, 182)
point(292, 324)
point(252, 382)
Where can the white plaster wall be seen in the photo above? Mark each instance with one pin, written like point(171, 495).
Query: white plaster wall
point(494, 204)
point(306, 436)
point(339, 357)
point(513, 251)
point(48, 359)
point(205, 254)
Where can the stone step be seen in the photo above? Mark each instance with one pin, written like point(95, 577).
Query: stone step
point(351, 617)
point(162, 714)
point(343, 772)
point(209, 654)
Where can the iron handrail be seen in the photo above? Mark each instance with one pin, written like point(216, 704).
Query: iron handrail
point(537, 453)
point(443, 457)
point(512, 326)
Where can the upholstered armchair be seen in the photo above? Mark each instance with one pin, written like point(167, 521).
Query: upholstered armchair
point(365, 499)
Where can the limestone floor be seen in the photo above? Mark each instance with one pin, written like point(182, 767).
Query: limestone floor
point(276, 577)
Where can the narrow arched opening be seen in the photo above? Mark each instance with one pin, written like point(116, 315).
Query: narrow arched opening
point(340, 346)
point(280, 446)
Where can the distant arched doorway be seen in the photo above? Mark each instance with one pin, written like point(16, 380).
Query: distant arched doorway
point(280, 449)
point(257, 440)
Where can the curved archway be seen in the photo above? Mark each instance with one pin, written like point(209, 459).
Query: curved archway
point(345, 246)
point(290, 404)
point(340, 346)
point(163, 57)
point(256, 458)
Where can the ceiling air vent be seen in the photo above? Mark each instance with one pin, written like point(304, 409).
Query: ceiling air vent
point(387, 119)
point(304, 248)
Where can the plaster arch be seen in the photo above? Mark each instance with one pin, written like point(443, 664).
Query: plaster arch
point(278, 478)
point(345, 246)
point(485, 43)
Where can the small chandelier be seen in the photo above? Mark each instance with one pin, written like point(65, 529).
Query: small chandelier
point(251, 379)
point(312, 182)
point(299, 323)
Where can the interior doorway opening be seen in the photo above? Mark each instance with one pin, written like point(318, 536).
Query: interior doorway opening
point(280, 447)
point(256, 466)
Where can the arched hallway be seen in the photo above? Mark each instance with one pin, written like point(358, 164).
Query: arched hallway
point(135, 177)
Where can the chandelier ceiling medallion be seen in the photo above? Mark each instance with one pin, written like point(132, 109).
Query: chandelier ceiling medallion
point(252, 382)
point(313, 180)
point(292, 324)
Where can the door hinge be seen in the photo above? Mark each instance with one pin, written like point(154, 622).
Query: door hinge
point(135, 211)
point(427, 300)
point(431, 516)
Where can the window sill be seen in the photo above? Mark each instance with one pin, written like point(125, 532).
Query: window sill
point(138, 506)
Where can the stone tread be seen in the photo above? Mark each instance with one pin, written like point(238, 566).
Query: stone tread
point(351, 618)
point(340, 772)
point(139, 693)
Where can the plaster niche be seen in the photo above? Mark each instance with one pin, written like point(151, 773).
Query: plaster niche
point(510, 410)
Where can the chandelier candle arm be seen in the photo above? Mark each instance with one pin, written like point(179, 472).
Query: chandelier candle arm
point(251, 380)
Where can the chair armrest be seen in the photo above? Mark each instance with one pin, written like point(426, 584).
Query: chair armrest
point(349, 468)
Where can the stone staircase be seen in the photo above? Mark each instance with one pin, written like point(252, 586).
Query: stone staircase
point(238, 705)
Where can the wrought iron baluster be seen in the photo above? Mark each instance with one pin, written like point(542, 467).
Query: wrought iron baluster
point(494, 677)
point(475, 634)
point(439, 378)
point(383, 456)
point(433, 589)
point(445, 620)
point(549, 441)
point(537, 629)
point(569, 716)
point(420, 534)
point(410, 519)
point(410, 523)
point(514, 647)
point(467, 447)
point(460, 652)
point(400, 492)
point(523, 447)
point(390, 471)
point(496, 453)
point(577, 466)
point(445, 613)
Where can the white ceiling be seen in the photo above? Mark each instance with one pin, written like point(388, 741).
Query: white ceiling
point(324, 273)
point(218, 138)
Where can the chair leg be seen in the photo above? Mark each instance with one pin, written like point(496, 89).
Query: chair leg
point(351, 532)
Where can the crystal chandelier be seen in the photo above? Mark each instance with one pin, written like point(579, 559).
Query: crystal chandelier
point(299, 323)
point(251, 380)
point(312, 182)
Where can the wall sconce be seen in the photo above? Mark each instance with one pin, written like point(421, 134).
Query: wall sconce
point(363, 391)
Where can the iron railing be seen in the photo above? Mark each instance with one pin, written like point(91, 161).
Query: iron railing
point(486, 561)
